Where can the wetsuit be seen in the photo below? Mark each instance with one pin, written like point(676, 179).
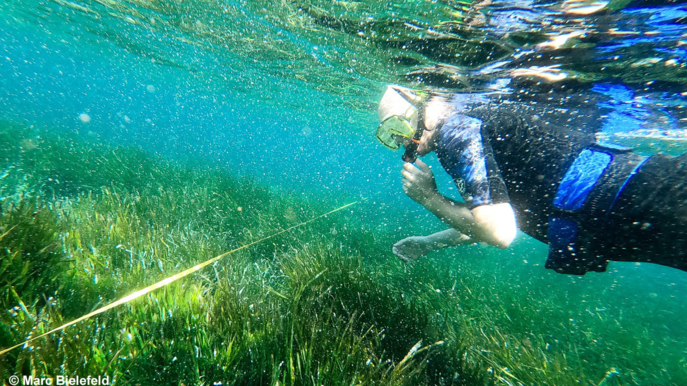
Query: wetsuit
point(590, 203)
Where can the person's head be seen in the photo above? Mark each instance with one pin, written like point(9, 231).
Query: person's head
point(401, 115)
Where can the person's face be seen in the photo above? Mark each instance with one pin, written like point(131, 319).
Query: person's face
point(427, 144)
point(401, 141)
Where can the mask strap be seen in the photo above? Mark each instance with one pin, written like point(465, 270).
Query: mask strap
point(403, 95)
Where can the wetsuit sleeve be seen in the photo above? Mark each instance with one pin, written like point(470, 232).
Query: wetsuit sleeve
point(469, 160)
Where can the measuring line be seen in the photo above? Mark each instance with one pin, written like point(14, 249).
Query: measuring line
point(169, 280)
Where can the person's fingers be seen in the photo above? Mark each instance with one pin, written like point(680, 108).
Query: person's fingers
point(398, 254)
point(406, 174)
point(423, 166)
point(413, 171)
point(394, 249)
point(410, 167)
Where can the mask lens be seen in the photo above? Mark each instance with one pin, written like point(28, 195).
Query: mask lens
point(391, 129)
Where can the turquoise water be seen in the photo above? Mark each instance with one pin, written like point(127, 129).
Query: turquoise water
point(285, 93)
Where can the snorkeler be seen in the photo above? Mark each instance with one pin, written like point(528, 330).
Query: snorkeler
point(520, 163)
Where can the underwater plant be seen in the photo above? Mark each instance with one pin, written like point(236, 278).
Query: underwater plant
point(323, 304)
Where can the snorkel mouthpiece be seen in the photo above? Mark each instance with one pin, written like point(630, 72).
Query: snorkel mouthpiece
point(410, 154)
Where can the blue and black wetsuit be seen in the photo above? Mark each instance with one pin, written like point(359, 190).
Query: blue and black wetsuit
point(590, 203)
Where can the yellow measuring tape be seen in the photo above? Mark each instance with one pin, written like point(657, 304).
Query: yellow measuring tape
point(168, 280)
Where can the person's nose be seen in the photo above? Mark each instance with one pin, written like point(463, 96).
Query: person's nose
point(403, 141)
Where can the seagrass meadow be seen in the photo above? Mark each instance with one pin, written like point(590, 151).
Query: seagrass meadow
point(141, 138)
point(323, 304)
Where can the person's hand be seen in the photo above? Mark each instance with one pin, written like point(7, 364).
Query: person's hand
point(418, 184)
point(411, 248)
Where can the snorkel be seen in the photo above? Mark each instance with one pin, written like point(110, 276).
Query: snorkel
point(410, 154)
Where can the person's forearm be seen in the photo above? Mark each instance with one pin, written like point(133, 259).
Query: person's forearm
point(448, 238)
point(414, 247)
point(494, 224)
point(455, 214)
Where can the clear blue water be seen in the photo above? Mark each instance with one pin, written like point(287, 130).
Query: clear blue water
point(287, 94)
point(174, 91)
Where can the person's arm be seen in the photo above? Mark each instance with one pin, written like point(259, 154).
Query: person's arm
point(493, 224)
point(411, 248)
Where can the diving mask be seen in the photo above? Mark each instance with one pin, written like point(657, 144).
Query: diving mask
point(394, 129)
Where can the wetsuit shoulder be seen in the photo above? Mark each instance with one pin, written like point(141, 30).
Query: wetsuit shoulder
point(468, 158)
